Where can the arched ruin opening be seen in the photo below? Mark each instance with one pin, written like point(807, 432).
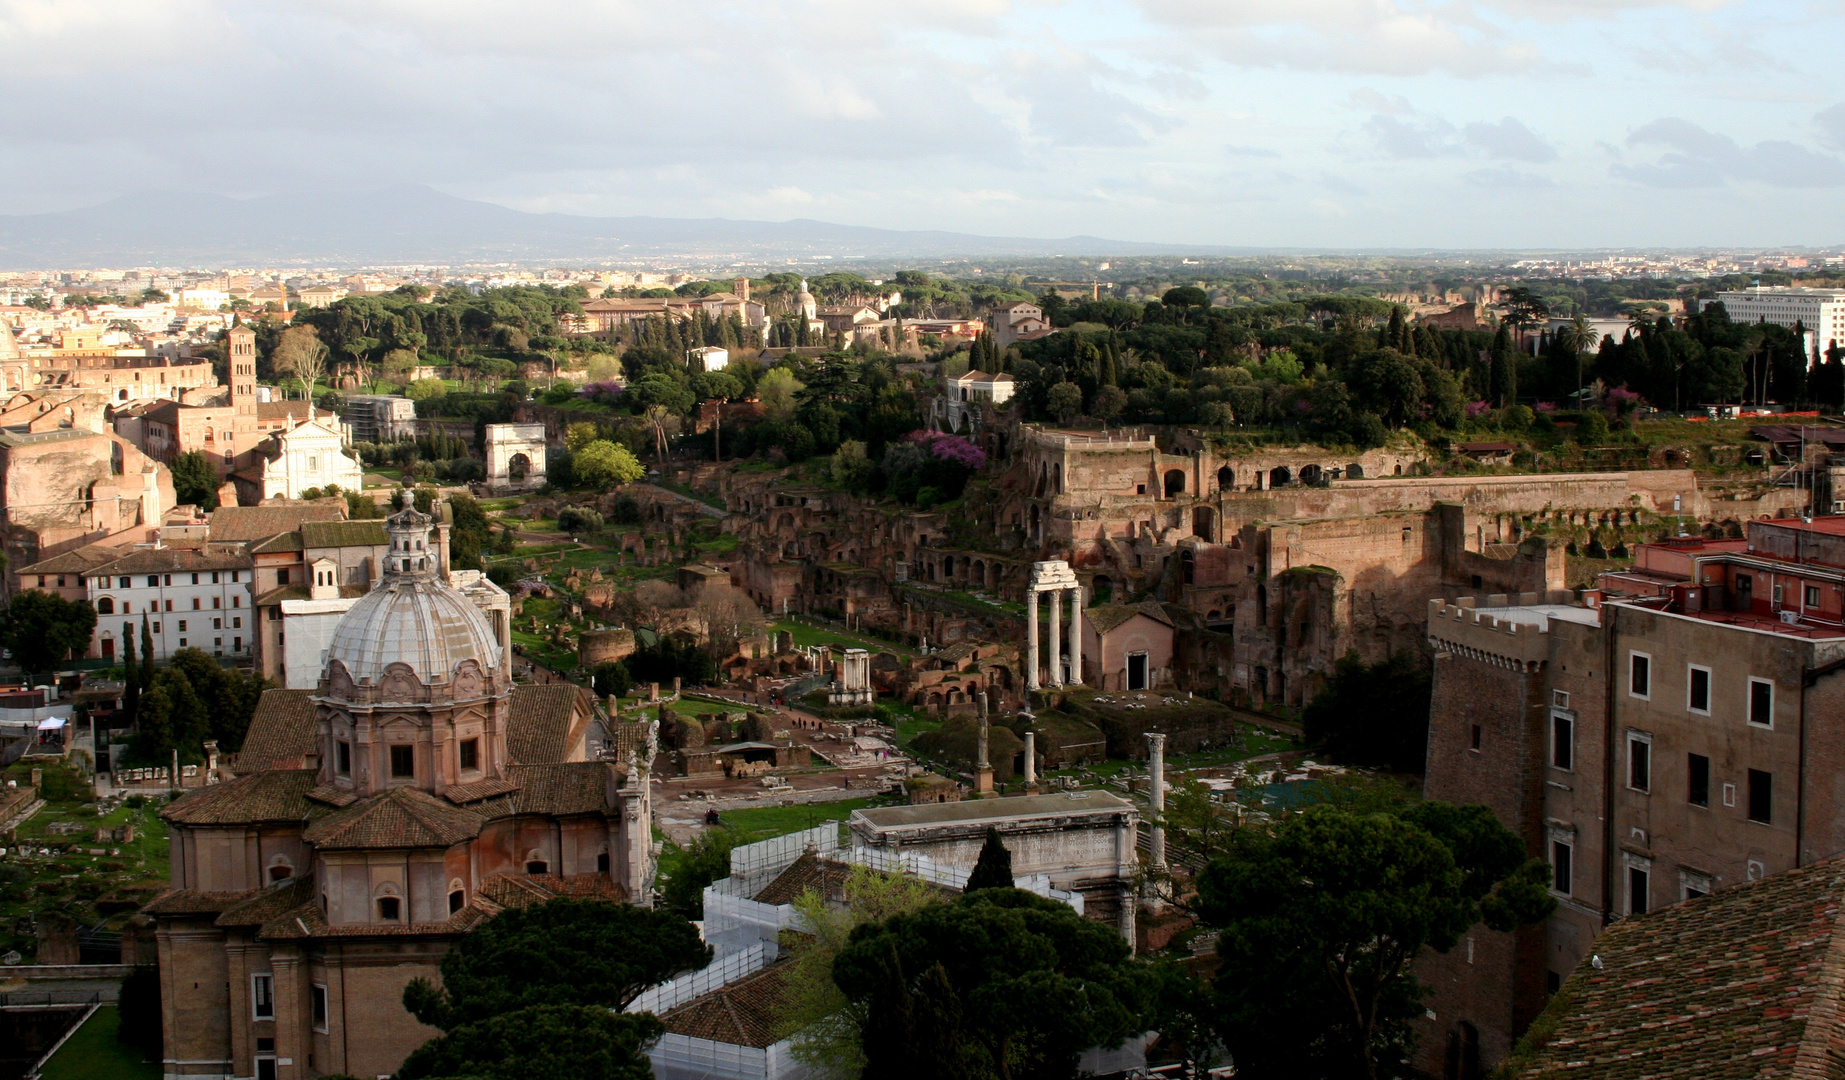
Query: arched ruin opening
point(1175, 482)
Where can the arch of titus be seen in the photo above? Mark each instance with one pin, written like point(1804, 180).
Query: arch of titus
point(505, 442)
point(1056, 578)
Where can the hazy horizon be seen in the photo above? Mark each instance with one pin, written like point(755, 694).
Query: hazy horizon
point(1330, 125)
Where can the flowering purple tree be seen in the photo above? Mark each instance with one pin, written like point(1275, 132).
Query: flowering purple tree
point(950, 448)
point(603, 393)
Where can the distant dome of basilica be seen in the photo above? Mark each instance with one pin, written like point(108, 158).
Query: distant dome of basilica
point(413, 616)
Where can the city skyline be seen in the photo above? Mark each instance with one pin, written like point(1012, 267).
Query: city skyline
point(1341, 124)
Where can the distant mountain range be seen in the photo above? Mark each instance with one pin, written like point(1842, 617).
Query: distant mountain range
point(422, 225)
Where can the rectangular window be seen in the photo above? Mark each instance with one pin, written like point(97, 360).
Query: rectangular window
point(1477, 733)
point(236, 599)
point(1559, 699)
point(1640, 675)
point(153, 581)
point(1697, 779)
point(1562, 876)
point(217, 624)
point(217, 602)
point(1562, 742)
point(1697, 697)
point(121, 583)
point(342, 757)
point(1761, 796)
point(169, 579)
point(1812, 596)
point(156, 628)
point(237, 622)
point(1639, 762)
point(281, 577)
point(1761, 703)
point(195, 579)
point(403, 762)
point(1636, 890)
point(182, 626)
point(470, 753)
point(195, 603)
point(214, 577)
point(262, 997)
point(318, 994)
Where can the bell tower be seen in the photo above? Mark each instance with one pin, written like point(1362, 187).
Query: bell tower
point(240, 357)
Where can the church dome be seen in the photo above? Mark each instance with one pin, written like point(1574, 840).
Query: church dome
point(413, 616)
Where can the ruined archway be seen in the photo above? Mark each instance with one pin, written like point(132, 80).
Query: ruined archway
point(1174, 482)
point(1226, 478)
point(1280, 476)
point(1204, 524)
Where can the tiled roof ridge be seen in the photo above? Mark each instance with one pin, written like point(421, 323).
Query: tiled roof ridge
point(1819, 1040)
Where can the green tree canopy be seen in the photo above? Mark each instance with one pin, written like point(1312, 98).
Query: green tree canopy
point(541, 1042)
point(603, 464)
point(1373, 714)
point(997, 983)
point(42, 629)
point(1322, 916)
point(563, 952)
point(195, 479)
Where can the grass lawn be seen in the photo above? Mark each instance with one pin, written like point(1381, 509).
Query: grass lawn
point(908, 727)
point(93, 1054)
point(763, 822)
point(806, 634)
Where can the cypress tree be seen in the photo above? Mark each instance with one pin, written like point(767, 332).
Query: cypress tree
point(131, 685)
point(993, 869)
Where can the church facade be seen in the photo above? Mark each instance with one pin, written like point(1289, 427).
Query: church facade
point(413, 794)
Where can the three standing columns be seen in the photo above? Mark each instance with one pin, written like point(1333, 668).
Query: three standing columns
point(1054, 672)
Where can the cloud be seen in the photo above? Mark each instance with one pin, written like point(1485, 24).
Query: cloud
point(1249, 151)
point(1419, 135)
point(1508, 139)
point(1831, 123)
point(1689, 156)
point(1508, 178)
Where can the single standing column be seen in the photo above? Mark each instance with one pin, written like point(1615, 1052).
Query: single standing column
point(983, 766)
point(1076, 636)
point(1031, 760)
point(1031, 638)
point(1054, 672)
point(1156, 773)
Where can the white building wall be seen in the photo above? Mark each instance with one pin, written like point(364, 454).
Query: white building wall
point(307, 631)
point(212, 615)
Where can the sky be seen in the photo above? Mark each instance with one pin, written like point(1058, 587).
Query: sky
point(1344, 124)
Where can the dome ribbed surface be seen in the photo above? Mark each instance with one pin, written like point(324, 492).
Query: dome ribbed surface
point(423, 623)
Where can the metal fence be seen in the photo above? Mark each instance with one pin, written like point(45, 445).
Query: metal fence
point(720, 972)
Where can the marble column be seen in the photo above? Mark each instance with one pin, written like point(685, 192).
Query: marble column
point(1056, 632)
point(1031, 760)
point(1076, 636)
point(1031, 638)
point(1156, 775)
point(983, 766)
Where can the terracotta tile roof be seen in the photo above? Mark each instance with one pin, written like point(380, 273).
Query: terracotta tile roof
point(333, 796)
point(281, 733)
point(80, 561)
point(281, 593)
point(400, 818)
point(194, 902)
point(744, 1013)
point(334, 534)
point(1745, 983)
point(287, 541)
point(523, 890)
point(1105, 617)
point(824, 876)
point(174, 560)
point(266, 905)
point(306, 921)
point(274, 796)
point(543, 719)
point(463, 794)
point(241, 524)
point(577, 787)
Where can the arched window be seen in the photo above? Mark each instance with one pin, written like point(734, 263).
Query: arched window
point(105, 606)
point(1175, 482)
point(280, 869)
point(1226, 478)
point(457, 895)
point(535, 863)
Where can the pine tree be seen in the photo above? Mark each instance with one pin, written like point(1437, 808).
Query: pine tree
point(993, 869)
point(1396, 335)
point(147, 655)
point(1504, 371)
